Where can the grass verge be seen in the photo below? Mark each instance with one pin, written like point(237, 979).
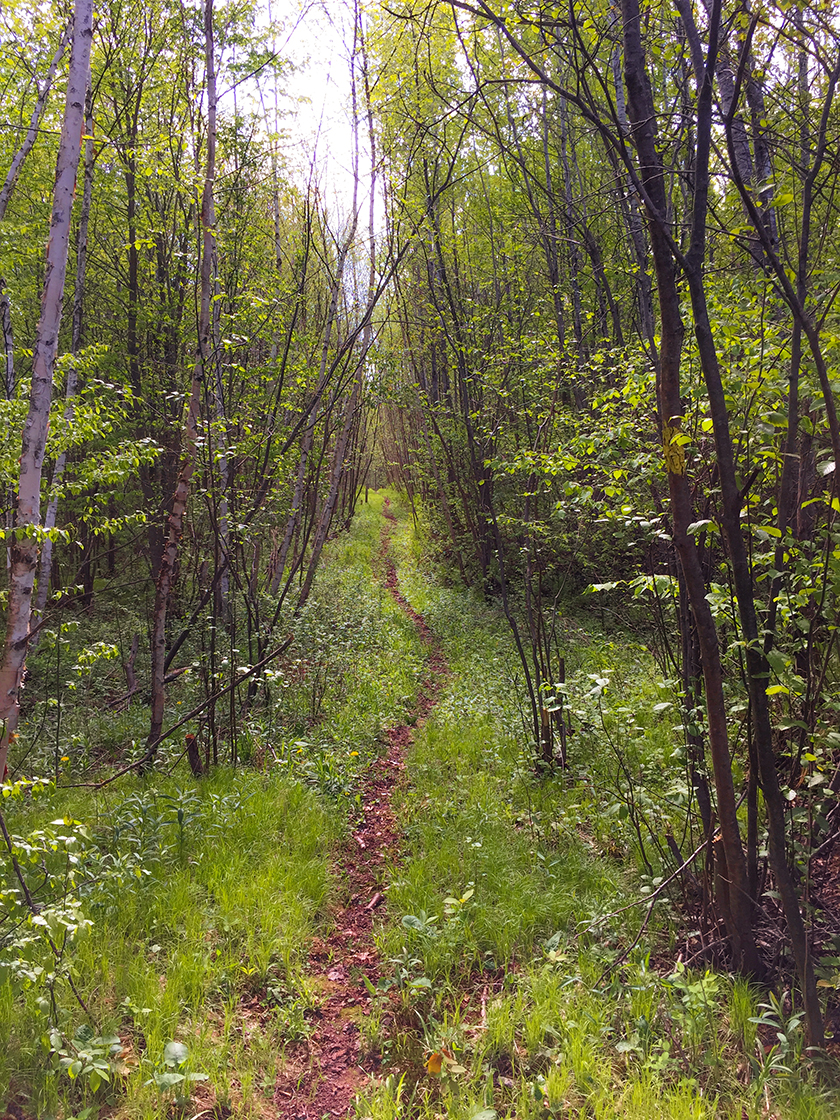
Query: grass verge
point(164, 964)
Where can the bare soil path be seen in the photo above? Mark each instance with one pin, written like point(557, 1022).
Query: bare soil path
point(321, 1077)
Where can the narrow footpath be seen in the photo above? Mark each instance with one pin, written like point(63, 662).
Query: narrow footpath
point(321, 1076)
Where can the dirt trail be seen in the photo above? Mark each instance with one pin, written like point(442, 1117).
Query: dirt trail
point(321, 1077)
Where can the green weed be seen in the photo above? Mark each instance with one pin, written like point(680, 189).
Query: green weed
point(520, 982)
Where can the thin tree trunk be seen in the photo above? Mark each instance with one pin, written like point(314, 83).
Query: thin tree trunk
point(223, 516)
point(45, 564)
point(8, 343)
point(735, 900)
point(339, 453)
point(351, 408)
point(25, 546)
point(574, 253)
point(34, 123)
point(644, 289)
point(312, 409)
point(202, 362)
point(10, 386)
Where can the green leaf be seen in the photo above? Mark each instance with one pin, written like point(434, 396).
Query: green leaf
point(168, 1080)
point(175, 1053)
point(700, 526)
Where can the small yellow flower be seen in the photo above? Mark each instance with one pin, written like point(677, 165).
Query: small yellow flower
point(354, 754)
point(65, 758)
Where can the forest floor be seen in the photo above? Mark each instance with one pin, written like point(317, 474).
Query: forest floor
point(385, 909)
point(322, 1075)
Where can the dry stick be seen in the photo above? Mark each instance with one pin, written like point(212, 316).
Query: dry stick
point(190, 715)
point(652, 897)
point(630, 947)
point(650, 900)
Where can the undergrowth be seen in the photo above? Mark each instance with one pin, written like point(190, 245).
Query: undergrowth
point(527, 978)
point(159, 960)
point(160, 956)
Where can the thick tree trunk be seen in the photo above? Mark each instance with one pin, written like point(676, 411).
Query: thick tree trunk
point(25, 547)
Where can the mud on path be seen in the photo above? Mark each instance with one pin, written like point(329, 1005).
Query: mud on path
point(321, 1076)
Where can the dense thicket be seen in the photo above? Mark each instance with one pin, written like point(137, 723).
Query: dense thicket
point(210, 414)
point(615, 339)
point(606, 364)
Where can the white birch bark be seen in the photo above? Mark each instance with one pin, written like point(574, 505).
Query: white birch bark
point(45, 563)
point(28, 520)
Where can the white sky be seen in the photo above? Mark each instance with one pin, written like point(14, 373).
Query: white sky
point(319, 45)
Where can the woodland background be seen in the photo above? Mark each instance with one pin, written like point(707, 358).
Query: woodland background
point(581, 312)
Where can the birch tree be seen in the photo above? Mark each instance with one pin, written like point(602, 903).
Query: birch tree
point(24, 551)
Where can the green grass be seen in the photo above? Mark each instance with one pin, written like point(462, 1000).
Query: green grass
point(202, 896)
point(501, 939)
point(224, 910)
point(516, 980)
